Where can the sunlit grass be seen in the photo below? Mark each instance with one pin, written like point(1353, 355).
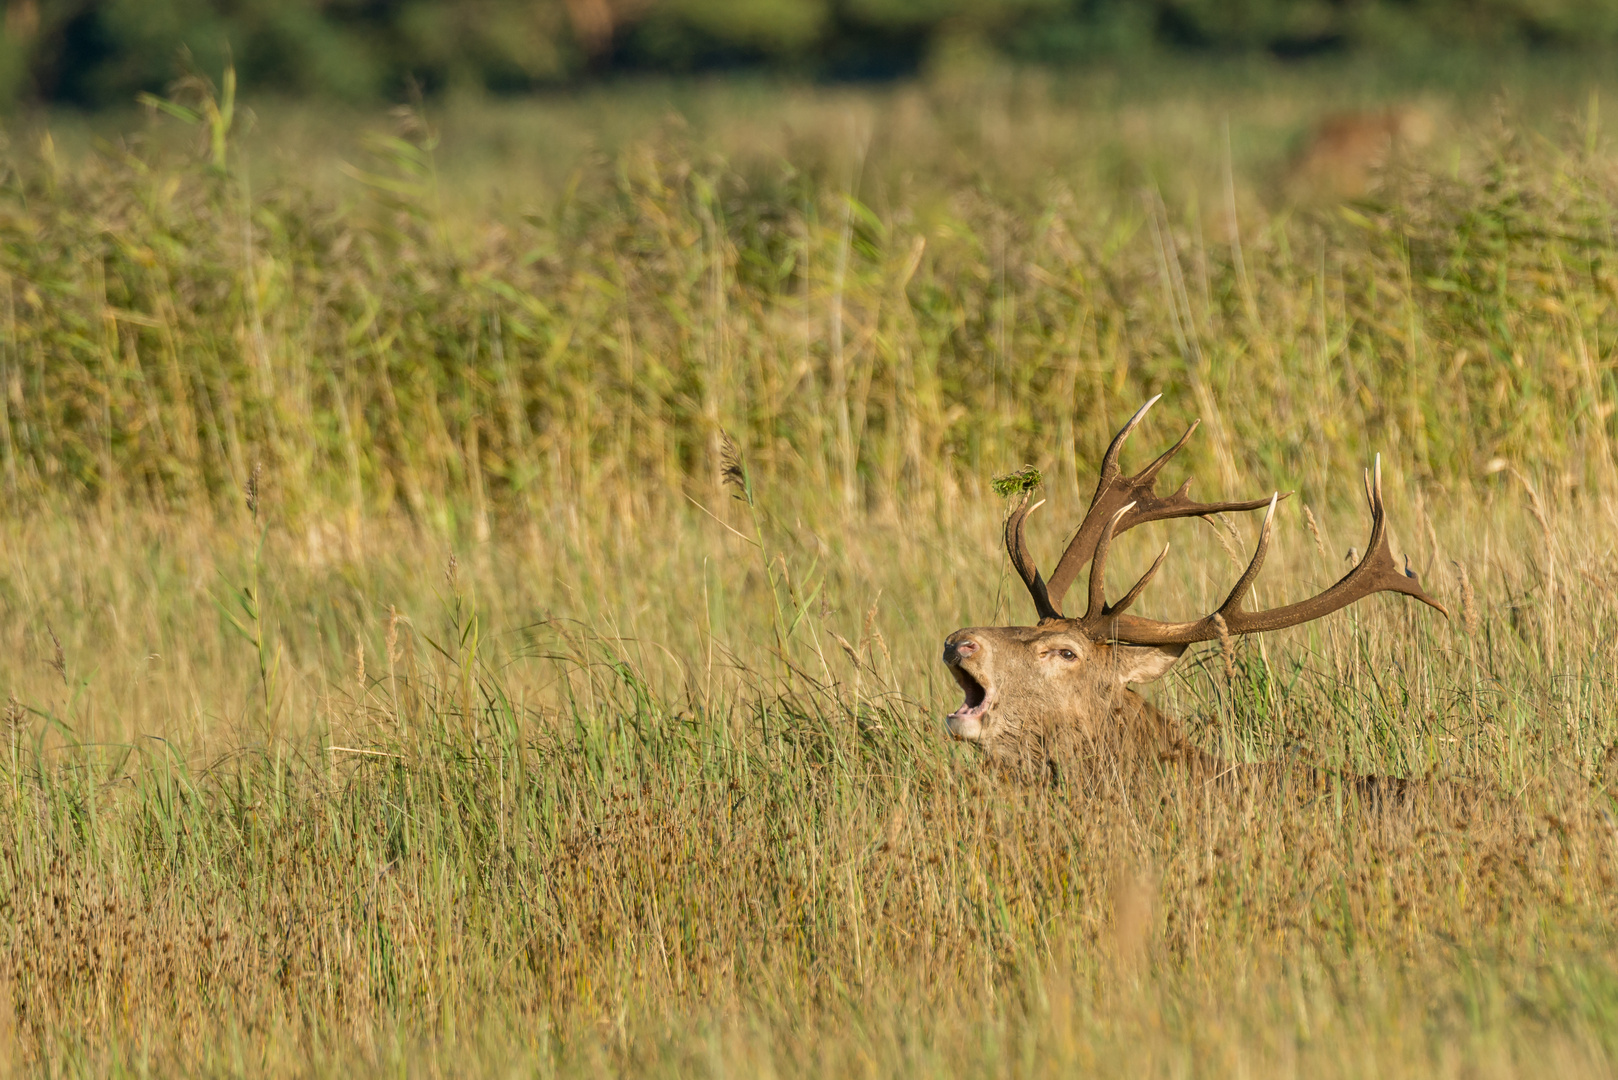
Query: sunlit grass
point(565, 698)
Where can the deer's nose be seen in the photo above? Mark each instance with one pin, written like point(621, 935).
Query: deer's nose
point(958, 649)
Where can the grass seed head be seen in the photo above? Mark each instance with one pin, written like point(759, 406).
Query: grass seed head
point(251, 490)
point(1314, 530)
point(732, 471)
point(58, 660)
point(1469, 602)
point(15, 716)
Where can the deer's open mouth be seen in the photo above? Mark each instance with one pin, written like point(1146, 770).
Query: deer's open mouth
point(967, 721)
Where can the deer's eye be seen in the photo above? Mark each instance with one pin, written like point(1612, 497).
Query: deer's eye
point(1067, 654)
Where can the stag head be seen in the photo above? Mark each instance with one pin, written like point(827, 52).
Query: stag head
point(1029, 687)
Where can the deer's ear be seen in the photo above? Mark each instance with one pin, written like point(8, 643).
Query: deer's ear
point(1143, 663)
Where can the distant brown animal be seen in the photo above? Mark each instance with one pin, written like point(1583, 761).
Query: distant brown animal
point(1035, 693)
point(1346, 152)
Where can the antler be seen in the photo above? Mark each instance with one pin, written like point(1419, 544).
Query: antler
point(1374, 573)
point(1122, 502)
point(1017, 548)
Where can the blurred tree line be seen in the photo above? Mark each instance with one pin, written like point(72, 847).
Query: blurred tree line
point(98, 52)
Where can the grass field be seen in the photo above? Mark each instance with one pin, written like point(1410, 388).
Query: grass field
point(398, 684)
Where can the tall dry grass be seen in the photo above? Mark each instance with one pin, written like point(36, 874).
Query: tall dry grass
point(500, 730)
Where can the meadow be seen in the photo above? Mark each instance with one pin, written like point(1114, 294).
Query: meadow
point(472, 581)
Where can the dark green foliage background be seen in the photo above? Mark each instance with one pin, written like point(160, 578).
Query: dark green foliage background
point(99, 52)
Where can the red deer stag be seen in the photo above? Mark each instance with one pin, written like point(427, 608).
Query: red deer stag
point(1030, 689)
point(1346, 153)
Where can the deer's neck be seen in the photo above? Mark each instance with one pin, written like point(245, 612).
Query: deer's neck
point(1151, 734)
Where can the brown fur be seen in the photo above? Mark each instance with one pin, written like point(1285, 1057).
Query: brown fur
point(1046, 717)
point(1345, 154)
point(1042, 707)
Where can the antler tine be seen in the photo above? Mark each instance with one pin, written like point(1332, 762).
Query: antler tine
point(1373, 495)
point(1228, 610)
point(1148, 474)
point(1238, 593)
point(1134, 593)
point(1109, 460)
point(1097, 604)
point(1017, 548)
point(1114, 490)
point(1374, 573)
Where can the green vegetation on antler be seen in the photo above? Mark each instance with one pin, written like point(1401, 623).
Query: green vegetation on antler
point(1020, 482)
